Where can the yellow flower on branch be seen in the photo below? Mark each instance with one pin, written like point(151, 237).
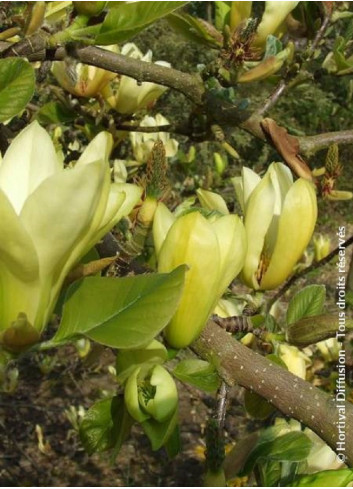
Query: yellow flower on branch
point(50, 218)
point(214, 250)
point(280, 217)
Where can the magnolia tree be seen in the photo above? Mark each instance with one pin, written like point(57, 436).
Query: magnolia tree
point(178, 288)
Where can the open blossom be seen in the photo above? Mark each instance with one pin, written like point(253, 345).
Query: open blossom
point(50, 218)
point(213, 249)
point(83, 80)
point(280, 217)
point(125, 94)
point(143, 142)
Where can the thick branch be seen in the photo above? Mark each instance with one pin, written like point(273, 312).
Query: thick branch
point(190, 85)
point(293, 396)
point(311, 144)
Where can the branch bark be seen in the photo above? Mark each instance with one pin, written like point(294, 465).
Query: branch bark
point(293, 396)
point(35, 49)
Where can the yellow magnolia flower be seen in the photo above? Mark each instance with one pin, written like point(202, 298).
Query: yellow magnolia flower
point(214, 250)
point(280, 217)
point(143, 142)
point(151, 393)
point(212, 201)
point(50, 218)
point(82, 80)
point(126, 95)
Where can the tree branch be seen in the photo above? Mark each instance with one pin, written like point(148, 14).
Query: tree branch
point(309, 145)
point(293, 396)
point(35, 49)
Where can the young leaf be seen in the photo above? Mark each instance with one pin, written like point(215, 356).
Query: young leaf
point(293, 447)
point(121, 312)
point(326, 478)
point(159, 433)
point(306, 303)
point(128, 360)
point(195, 30)
point(17, 84)
point(105, 425)
point(173, 444)
point(199, 373)
point(54, 113)
point(128, 19)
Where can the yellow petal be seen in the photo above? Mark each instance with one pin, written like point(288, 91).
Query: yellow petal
point(98, 149)
point(162, 222)
point(231, 237)
point(212, 201)
point(239, 12)
point(191, 241)
point(30, 159)
point(259, 214)
point(295, 228)
point(273, 17)
point(65, 204)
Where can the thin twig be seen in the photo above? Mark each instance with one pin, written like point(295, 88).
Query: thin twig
point(272, 100)
point(319, 35)
point(307, 270)
point(147, 129)
point(222, 396)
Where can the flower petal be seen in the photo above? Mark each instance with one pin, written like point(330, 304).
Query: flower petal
point(191, 241)
point(162, 222)
point(71, 198)
point(231, 236)
point(296, 226)
point(98, 149)
point(273, 17)
point(17, 252)
point(30, 159)
point(122, 199)
point(212, 201)
point(258, 218)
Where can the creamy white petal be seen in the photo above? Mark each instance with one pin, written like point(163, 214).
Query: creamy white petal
point(30, 159)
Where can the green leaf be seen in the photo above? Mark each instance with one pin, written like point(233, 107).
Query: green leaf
point(293, 447)
point(123, 312)
point(222, 14)
point(273, 46)
point(160, 433)
point(85, 34)
point(199, 373)
point(54, 113)
point(128, 360)
point(173, 443)
point(17, 85)
point(326, 478)
point(195, 30)
point(306, 303)
point(105, 425)
point(128, 19)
